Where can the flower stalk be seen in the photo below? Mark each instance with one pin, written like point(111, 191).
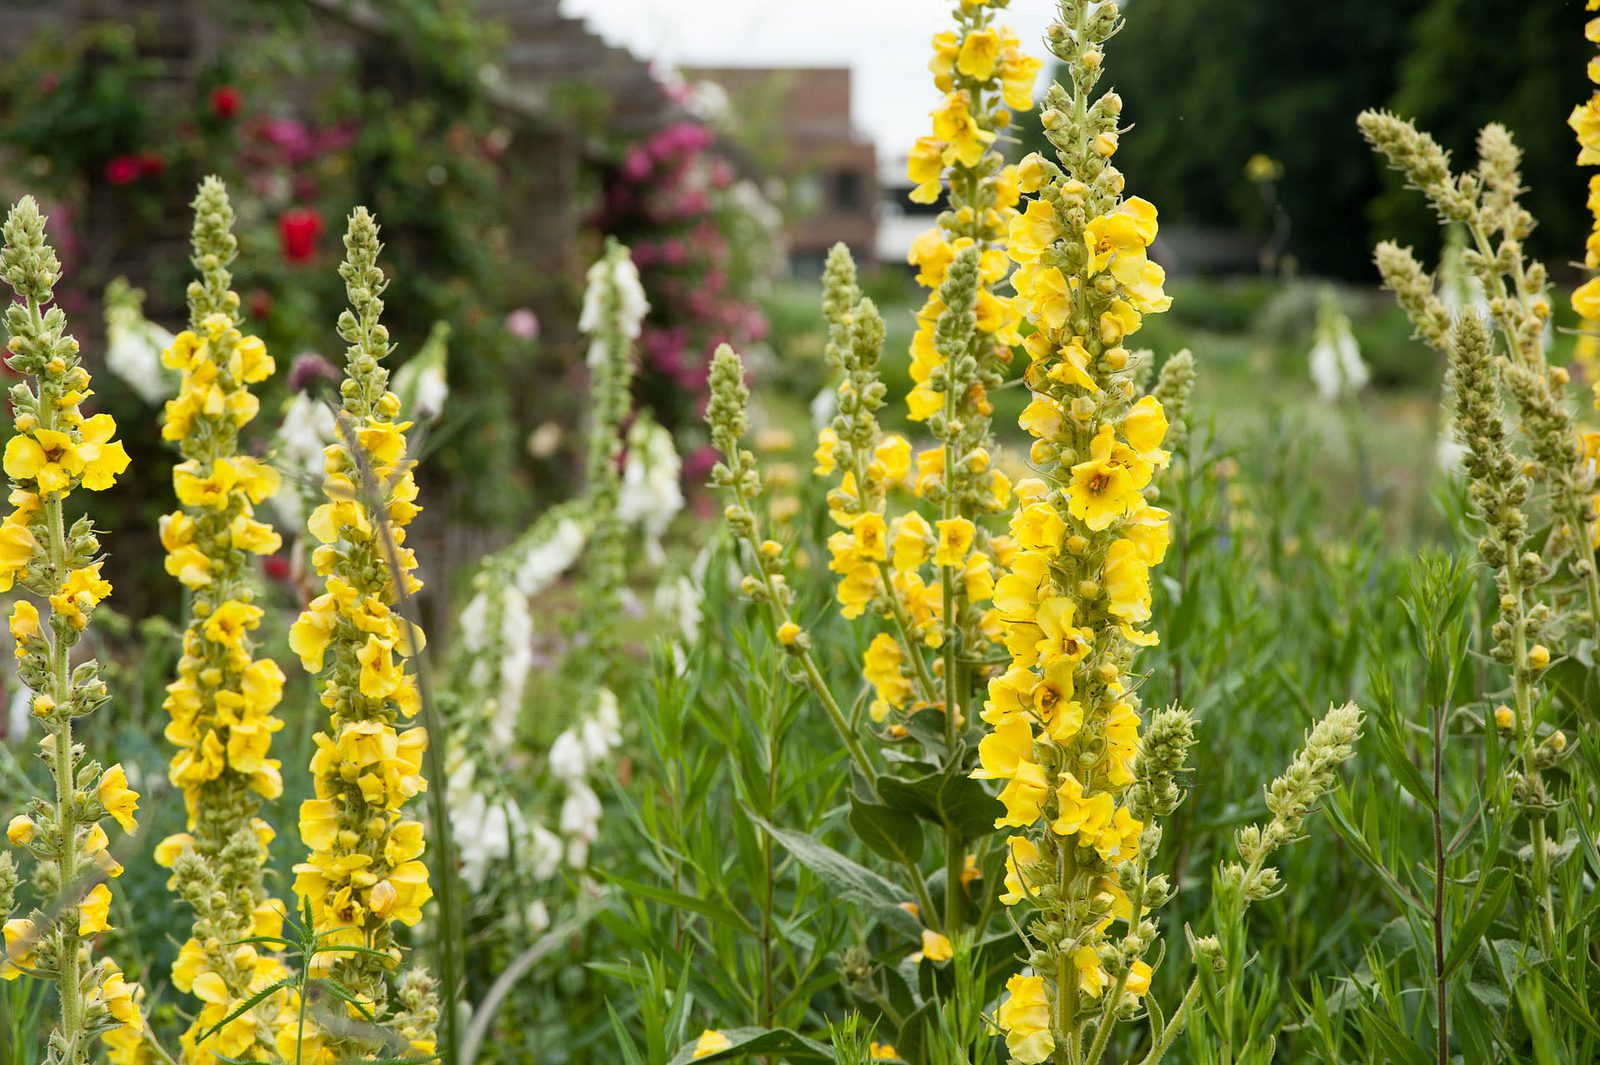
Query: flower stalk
point(363, 873)
point(57, 450)
point(221, 704)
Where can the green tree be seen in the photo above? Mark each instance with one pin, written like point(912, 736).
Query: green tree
point(1472, 62)
point(1209, 83)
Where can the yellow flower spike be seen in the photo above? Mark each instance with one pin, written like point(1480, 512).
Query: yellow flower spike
point(221, 703)
point(56, 450)
point(362, 872)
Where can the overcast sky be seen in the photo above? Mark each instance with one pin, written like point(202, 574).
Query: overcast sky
point(885, 42)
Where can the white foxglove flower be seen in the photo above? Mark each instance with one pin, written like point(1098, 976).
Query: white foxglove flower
point(619, 273)
point(569, 760)
point(650, 495)
point(546, 849)
point(679, 598)
point(133, 353)
point(544, 563)
point(823, 407)
point(308, 427)
point(134, 344)
point(1336, 365)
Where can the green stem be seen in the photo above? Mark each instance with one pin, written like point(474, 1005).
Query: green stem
point(1174, 1027)
point(1522, 687)
point(70, 974)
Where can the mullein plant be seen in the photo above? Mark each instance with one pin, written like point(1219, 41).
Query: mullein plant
point(929, 655)
point(1087, 776)
point(1485, 202)
point(1585, 123)
point(364, 872)
point(57, 450)
point(221, 705)
point(1539, 611)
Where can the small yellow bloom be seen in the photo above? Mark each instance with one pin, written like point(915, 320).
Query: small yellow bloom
point(118, 799)
point(21, 829)
point(955, 541)
point(936, 947)
point(1024, 1017)
point(711, 1042)
point(94, 911)
point(979, 52)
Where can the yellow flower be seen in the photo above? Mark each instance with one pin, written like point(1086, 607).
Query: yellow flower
point(788, 634)
point(119, 800)
point(711, 1042)
point(103, 458)
point(1127, 583)
point(1138, 982)
point(17, 548)
point(955, 541)
point(1020, 853)
point(1018, 73)
point(893, 457)
point(881, 1052)
point(1503, 717)
point(936, 947)
point(1032, 231)
point(1080, 814)
point(1145, 427)
point(1024, 1017)
point(46, 456)
point(93, 911)
point(22, 938)
point(870, 537)
point(882, 665)
point(911, 537)
point(20, 831)
point(1091, 977)
point(826, 463)
point(1023, 797)
point(1126, 231)
point(1103, 489)
point(118, 996)
point(24, 622)
point(954, 124)
point(979, 52)
point(925, 168)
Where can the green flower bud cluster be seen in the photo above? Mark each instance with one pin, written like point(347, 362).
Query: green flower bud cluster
point(1486, 203)
point(1290, 798)
point(1174, 384)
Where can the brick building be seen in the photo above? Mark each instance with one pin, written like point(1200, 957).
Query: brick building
point(829, 168)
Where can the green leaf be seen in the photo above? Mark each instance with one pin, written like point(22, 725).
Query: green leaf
point(679, 900)
point(885, 830)
point(746, 1041)
point(950, 799)
point(1470, 932)
point(855, 883)
point(1392, 749)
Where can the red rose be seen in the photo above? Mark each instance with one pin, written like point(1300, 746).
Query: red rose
point(276, 567)
point(123, 169)
point(298, 230)
point(260, 303)
point(151, 164)
point(225, 101)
